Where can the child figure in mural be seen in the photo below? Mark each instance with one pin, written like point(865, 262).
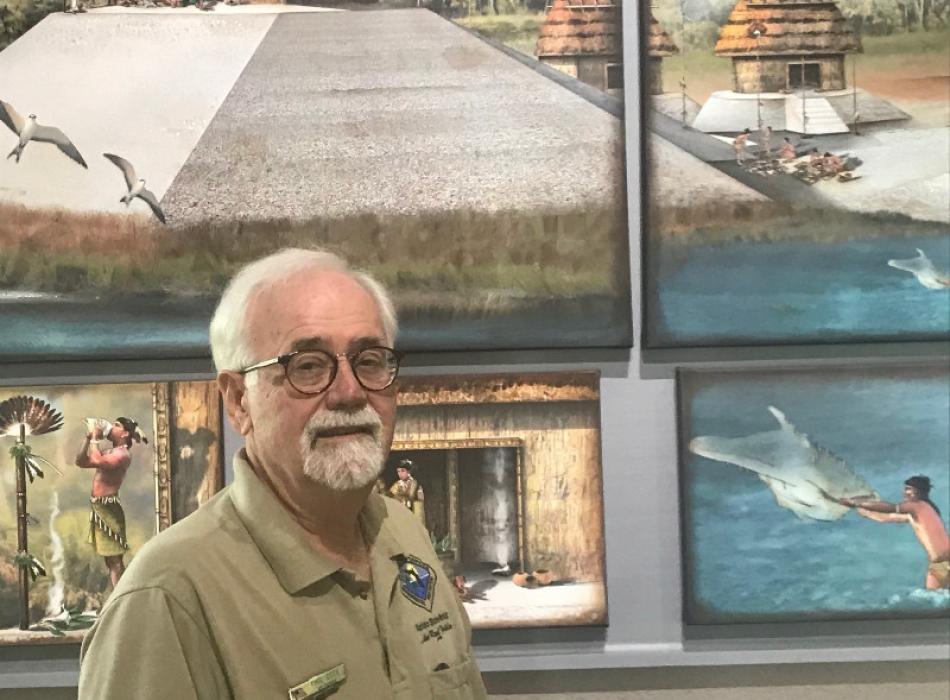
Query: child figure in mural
point(920, 513)
point(407, 490)
point(106, 517)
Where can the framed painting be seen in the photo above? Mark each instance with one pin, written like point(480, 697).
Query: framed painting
point(484, 187)
point(816, 493)
point(90, 473)
point(797, 173)
point(504, 471)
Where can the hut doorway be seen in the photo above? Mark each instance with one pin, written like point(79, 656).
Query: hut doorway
point(473, 503)
point(804, 76)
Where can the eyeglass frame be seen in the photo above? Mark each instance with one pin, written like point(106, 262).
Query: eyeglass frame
point(284, 361)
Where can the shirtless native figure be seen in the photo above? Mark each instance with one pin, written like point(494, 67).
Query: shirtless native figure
point(107, 519)
point(918, 510)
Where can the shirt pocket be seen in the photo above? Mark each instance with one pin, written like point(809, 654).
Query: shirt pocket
point(455, 682)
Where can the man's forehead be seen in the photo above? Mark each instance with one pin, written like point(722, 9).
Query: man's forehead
point(314, 308)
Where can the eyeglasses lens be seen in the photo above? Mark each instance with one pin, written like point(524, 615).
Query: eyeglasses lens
point(313, 370)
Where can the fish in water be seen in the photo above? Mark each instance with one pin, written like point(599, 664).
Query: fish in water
point(924, 270)
point(798, 472)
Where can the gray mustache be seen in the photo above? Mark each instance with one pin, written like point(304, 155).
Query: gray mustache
point(330, 422)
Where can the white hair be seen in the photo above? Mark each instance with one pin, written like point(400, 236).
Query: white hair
point(228, 331)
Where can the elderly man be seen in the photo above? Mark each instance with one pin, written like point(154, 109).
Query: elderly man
point(298, 580)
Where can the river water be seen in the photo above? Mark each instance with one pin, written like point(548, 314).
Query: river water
point(754, 293)
point(749, 560)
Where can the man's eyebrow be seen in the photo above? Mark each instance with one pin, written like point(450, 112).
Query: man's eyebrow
point(311, 343)
point(367, 341)
point(320, 343)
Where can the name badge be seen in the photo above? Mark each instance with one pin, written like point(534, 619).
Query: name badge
point(320, 685)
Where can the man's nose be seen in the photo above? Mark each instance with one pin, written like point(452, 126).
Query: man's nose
point(345, 391)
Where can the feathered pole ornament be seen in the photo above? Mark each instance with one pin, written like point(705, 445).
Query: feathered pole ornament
point(21, 416)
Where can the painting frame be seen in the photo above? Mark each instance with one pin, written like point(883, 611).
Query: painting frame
point(542, 417)
point(172, 456)
point(661, 347)
point(701, 622)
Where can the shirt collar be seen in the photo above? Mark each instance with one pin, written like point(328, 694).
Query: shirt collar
point(282, 540)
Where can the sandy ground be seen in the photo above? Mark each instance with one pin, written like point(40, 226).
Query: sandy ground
point(508, 605)
point(144, 89)
point(904, 170)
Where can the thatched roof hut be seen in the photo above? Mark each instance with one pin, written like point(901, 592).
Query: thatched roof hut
point(659, 43)
point(583, 38)
point(780, 45)
point(786, 28)
point(580, 28)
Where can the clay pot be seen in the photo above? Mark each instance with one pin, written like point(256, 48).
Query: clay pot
point(545, 577)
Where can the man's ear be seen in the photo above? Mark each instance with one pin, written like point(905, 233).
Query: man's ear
point(234, 394)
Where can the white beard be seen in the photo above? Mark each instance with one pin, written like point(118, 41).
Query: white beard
point(352, 464)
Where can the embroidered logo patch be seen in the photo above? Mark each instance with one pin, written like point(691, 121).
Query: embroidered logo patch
point(417, 581)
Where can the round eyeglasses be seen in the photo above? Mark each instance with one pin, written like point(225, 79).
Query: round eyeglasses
point(313, 371)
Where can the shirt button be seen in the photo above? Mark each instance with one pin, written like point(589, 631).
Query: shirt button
point(364, 594)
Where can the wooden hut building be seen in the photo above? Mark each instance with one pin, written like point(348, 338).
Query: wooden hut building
point(659, 46)
point(778, 45)
point(510, 466)
point(583, 39)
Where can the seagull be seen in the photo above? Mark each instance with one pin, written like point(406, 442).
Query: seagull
point(28, 130)
point(136, 186)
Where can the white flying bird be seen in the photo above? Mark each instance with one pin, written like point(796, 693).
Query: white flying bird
point(136, 186)
point(28, 130)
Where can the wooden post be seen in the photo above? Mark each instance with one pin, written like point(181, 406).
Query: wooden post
point(24, 571)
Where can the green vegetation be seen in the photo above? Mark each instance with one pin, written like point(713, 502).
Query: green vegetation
point(901, 55)
point(18, 16)
point(452, 261)
point(516, 30)
point(771, 222)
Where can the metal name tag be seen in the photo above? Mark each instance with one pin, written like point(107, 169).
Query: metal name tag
point(320, 685)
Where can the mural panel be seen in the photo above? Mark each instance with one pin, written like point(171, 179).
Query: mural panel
point(798, 173)
point(488, 196)
point(504, 471)
point(120, 462)
point(815, 494)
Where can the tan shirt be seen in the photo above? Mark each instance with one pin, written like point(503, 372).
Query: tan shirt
point(232, 602)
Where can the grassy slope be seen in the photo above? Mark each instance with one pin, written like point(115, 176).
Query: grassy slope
point(519, 31)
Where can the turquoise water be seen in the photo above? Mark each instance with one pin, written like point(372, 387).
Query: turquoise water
point(53, 327)
point(750, 293)
point(749, 560)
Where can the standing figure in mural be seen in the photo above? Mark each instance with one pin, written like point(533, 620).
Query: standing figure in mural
point(923, 515)
point(106, 517)
point(765, 142)
point(408, 491)
point(739, 145)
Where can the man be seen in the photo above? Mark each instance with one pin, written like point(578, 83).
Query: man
point(787, 150)
point(106, 517)
point(739, 145)
point(297, 580)
point(408, 491)
point(923, 515)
